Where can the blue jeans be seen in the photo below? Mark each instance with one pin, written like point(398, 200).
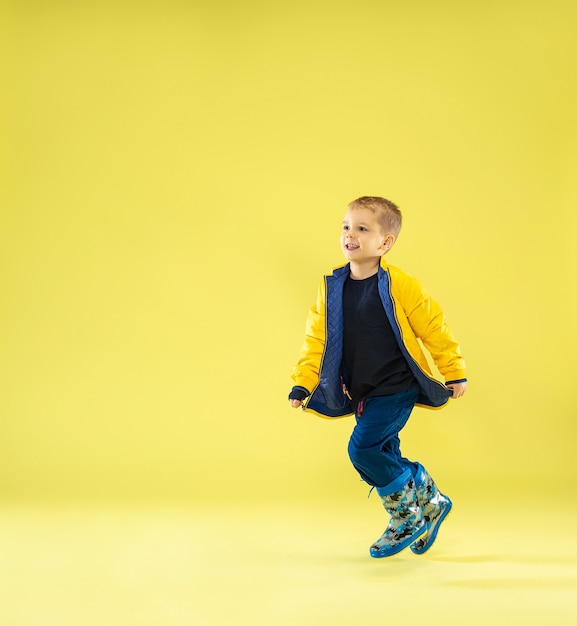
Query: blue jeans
point(374, 446)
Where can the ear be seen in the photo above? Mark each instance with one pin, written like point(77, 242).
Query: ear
point(388, 242)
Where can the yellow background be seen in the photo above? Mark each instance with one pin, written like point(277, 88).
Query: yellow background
point(174, 175)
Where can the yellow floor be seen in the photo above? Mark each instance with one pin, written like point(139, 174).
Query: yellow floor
point(279, 564)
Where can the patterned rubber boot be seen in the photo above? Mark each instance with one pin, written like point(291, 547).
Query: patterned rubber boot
point(435, 507)
point(406, 524)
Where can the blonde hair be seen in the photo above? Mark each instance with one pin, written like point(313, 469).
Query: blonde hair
point(387, 212)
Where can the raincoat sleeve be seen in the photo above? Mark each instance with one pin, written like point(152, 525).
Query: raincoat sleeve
point(427, 321)
point(306, 371)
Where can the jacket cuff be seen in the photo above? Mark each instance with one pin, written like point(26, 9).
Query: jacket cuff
point(299, 393)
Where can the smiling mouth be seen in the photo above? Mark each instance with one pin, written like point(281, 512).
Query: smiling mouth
point(350, 246)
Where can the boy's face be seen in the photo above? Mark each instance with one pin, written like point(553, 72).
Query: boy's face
point(363, 238)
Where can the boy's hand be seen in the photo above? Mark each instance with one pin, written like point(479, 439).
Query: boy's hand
point(458, 389)
point(297, 395)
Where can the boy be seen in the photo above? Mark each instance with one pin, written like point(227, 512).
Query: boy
point(361, 355)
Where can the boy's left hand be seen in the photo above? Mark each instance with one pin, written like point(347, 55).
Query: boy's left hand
point(458, 389)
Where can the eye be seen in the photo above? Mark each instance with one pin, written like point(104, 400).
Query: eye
point(345, 227)
point(363, 229)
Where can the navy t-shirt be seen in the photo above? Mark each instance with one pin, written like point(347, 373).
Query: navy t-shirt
point(373, 362)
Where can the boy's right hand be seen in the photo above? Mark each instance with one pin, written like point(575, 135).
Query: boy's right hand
point(297, 395)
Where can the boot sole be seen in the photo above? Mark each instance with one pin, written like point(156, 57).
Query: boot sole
point(434, 532)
